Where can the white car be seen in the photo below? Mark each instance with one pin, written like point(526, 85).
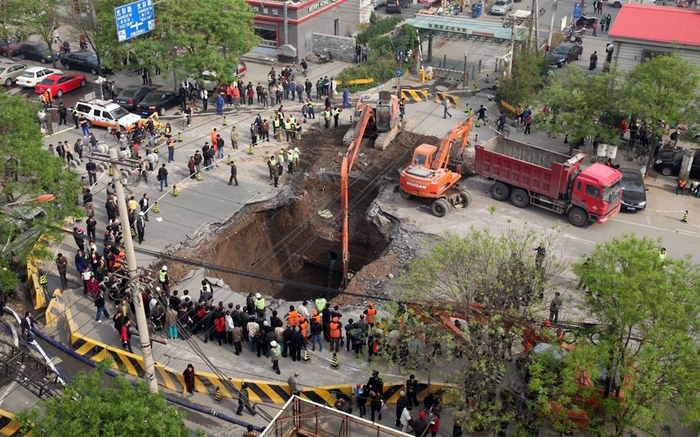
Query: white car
point(9, 72)
point(501, 7)
point(34, 75)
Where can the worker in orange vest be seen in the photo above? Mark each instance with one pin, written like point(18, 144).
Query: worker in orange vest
point(292, 317)
point(304, 324)
point(370, 312)
point(335, 333)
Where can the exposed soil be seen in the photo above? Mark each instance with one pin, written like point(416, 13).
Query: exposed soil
point(289, 239)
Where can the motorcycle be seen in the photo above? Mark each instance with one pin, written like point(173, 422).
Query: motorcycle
point(575, 37)
point(65, 48)
point(324, 57)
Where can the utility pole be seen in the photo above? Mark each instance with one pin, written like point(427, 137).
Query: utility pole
point(146, 351)
point(551, 26)
point(465, 70)
point(512, 50)
point(536, 22)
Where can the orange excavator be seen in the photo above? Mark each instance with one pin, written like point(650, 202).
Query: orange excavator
point(428, 175)
point(366, 115)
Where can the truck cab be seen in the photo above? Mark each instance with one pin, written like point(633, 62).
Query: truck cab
point(598, 190)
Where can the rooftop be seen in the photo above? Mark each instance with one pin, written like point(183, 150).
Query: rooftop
point(657, 24)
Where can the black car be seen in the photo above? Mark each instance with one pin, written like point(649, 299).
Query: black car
point(85, 61)
point(585, 22)
point(634, 196)
point(565, 53)
point(157, 101)
point(129, 97)
point(668, 163)
point(37, 51)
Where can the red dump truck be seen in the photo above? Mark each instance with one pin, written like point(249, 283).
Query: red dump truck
point(528, 174)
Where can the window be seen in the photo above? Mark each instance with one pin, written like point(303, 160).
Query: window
point(336, 27)
point(593, 191)
point(419, 160)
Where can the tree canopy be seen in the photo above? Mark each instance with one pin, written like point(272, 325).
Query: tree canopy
point(489, 281)
point(28, 171)
point(211, 36)
point(636, 369)
point(97, 405)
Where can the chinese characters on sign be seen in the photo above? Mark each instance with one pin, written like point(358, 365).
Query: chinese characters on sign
point(266, 11)
point(134, 19)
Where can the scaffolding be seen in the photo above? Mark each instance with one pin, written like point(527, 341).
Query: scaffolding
point(304, 418)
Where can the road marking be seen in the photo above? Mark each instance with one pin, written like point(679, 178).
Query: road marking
point(10, 387)
point(656, 228)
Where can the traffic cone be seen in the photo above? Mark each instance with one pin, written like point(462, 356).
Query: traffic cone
point(179, 137)
point(685, 217)
point(476, 138)
point(156, 208)
point(229, 160)
point(334, 361)
point(307, 356)
point(155, 149)
point(111, 171)
point(250, 149)
point(175, 192)
point(199, 176)
point(43, 281)
point(478, 123)
point(133, 232)
point(225, 122)
point(218, 397)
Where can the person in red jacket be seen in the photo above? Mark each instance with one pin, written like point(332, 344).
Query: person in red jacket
point(220, 327)
point(125, 335)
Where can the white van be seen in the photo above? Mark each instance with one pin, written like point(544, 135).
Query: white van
point(619, 3)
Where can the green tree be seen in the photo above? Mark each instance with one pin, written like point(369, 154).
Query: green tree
point(644, 350)
point(41, 18)
point(11, 13)
point(97, 405)
point(527, 77)
point(664, 88)
point(487, 280)
point(585, 105)
point(84, 20)
point(211, 36)
point(27, 171)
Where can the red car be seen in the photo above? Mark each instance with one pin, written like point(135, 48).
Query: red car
point(10, 49)
point(60, 84)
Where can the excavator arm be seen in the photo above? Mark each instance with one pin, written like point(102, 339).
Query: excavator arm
point(461, 132)
point(346, 168)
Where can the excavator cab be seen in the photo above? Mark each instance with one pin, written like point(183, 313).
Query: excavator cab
point(424, 155)
point(384, 112)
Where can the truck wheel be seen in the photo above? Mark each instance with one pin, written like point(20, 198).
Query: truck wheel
point(440, 207)
point(465, 198)
point(500, 191)
point(520, 198)
point(578, 217)
point(405, 195)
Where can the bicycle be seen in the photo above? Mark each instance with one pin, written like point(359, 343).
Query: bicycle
point(129, 72)
point(305, 72)
point(155, 330)
point(504, 131)
point(641, 154)
point(111, 135)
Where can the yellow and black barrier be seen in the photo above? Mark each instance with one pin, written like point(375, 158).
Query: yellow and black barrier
point(415, 95)
point(441, 97)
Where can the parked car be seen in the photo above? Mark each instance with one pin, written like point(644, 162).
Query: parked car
point(393, 6)
point(501, 7)
point(565, 53)
point(129, 97)
point(668, 163)
point(85, 61)
point(37, 51)
point(585, 22)
point(634, 196)
point(59, 84)
point(208, 78)
point(10, 49)
point(33, 75)
point(9, 72)
point(157, 101)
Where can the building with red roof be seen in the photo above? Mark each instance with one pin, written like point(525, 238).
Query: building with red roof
point(643, 31)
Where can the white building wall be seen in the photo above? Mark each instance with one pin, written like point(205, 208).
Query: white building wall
point(628, 54)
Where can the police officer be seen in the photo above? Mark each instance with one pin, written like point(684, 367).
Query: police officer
point(310, 108)
point(205, 291)
point(164, 280)
point(320, 303)
point(259, 302)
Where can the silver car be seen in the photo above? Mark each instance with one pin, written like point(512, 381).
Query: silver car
point(501, 7)
point(9, 71)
